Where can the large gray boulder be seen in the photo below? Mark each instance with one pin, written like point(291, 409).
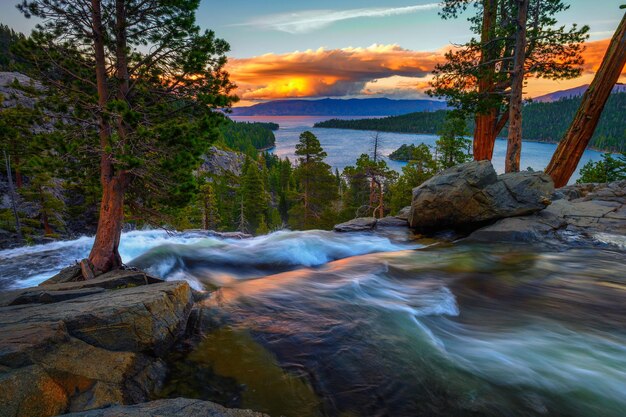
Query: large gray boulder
point(472, 194)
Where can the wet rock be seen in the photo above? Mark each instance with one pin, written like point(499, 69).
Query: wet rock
point(360, 224)
point(181, 407)
point(392, 221)
point(71, 273)
point(39, 296)
point(471, 194)
point(111, 280)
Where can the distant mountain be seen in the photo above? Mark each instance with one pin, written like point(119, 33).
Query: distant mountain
point(573, 92)
point(339, 107)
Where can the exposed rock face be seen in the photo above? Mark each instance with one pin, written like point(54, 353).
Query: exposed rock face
point(76, 346)
point(221, 162)
point(14, 96)
point(180, 407)
point(472, 194)
point(595, 212)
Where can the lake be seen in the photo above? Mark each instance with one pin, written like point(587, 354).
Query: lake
point(344, 146)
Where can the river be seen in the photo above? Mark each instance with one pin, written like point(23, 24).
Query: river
point(344, 145)
point(319, 323)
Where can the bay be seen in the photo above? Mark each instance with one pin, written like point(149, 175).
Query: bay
point(344, 146)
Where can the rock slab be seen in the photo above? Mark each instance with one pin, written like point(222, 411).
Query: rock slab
point(76, 346)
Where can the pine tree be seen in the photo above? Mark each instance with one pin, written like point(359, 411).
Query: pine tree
point(477, 77)
point(368, 180)
point(254, 195)
point(453, 147)
point(145, 113)
point(420, 167)
point(317, 189)
point(210, 213)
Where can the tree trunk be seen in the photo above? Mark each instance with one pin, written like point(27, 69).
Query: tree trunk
point(12, 197)
point(381, 202)
point(484, 137)
point(19, 180)
point(44, 214)
point(104, 254)
point(514, 145)
point(571, 147)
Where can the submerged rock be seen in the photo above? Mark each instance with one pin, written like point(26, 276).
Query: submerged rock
point(472, 194)
point(180, 407)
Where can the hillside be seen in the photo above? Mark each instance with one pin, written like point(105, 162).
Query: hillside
point(337, 107)
point(573, 92)
point(546, 122)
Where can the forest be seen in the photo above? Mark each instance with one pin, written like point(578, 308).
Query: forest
point(545, 122)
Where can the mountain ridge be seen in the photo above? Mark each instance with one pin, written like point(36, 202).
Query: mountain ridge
point(573, 92)
point(340, 107)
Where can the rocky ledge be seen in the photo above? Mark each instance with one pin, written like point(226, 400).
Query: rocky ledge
point(73, 346)
point(585, 213)
point(474, 201)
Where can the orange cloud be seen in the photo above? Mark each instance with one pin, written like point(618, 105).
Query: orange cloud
point(330, 72)
point(593, 54)
point(387, 70)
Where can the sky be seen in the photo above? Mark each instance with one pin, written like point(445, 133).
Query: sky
point(354, 48)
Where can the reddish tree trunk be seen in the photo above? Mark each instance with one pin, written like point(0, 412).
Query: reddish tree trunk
point(484, 136)
point(104, 254)
point(571, 147)
point(514, 145)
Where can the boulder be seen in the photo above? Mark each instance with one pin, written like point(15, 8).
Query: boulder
point(472, 194)
point(360, 224)
point(404, 213)
point(180, 407)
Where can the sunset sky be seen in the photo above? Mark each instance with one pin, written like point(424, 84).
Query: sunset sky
point(355, 48)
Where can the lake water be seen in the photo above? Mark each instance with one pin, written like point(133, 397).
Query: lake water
point(344, 146)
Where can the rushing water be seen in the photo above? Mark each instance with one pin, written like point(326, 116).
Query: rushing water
point(326, 324)
point(344, 146)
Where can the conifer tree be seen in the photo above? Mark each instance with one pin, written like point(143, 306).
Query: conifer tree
point(452, 147)
point(210, 213)
point(420, 167)
point(477, 77)
point(317, 185)
point(145, 113)
point(254, 196)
